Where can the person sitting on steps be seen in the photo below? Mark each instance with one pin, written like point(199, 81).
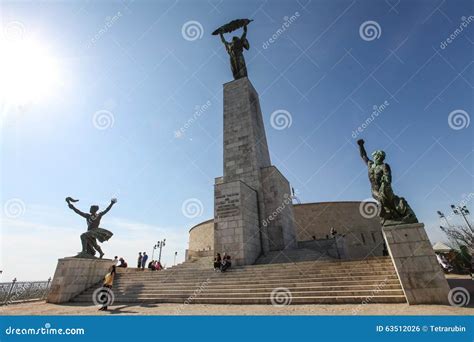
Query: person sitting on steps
point(123, 263)
point(226, 263)
point(217, 262)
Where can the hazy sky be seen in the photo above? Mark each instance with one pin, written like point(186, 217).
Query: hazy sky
point(130, 74)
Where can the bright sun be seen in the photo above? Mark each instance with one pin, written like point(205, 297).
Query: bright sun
point(28, 72)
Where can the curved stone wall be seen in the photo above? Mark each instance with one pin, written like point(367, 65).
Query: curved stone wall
point(314, 221)
point(363, 235)
point(201, 236)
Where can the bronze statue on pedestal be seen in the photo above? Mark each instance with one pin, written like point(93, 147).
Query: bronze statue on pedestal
point(94, 233)
point(236, 47)
point(393, 209)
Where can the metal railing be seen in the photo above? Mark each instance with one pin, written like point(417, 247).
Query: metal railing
point(23, 291)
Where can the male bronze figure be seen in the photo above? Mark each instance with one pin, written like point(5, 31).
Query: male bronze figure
point(393, 210)
point(94, 233)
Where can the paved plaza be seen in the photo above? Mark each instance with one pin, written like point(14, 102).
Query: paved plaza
point(42, 308)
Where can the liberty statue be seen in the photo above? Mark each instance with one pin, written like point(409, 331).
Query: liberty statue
point(235, 48)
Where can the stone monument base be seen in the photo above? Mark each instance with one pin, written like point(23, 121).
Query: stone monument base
point(420, 275)
point(74, 275)
point(236, 226)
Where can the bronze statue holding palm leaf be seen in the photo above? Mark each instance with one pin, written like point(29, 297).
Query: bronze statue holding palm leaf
point(235, 48)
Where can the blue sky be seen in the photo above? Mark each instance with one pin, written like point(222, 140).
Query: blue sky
point(130, 62)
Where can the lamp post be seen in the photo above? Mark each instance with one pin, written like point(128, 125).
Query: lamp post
point(463, 211)
point(153, 253)
point(442, 216)
point(160, 245)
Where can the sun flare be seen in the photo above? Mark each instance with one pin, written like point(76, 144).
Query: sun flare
point(28, 72)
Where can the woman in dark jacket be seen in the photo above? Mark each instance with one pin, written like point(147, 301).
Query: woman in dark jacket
point(217, 262)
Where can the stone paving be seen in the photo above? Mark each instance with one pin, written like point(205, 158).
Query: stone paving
point(42, 308)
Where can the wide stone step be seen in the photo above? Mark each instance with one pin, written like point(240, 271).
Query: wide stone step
point(251, 290)
point(321, 264)
point(229, 278)
point(256, 270)
point(237, 272)
point(204, 295)
point(259, 283)
point(366, 281)
point(303, 281)
point(297, 255)
point(267, 300)
point(288, 266)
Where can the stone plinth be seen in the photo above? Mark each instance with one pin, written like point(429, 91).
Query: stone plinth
point(278, 219)
point(421, 276)
point(261, 223)
point(245, 142)
point(236, 226)
point(74, 275)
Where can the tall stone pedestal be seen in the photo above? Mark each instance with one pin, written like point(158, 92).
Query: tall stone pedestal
point(421, 276)
point(74, 275)
point(253, 213)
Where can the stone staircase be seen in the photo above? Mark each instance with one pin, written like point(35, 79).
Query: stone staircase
point(307, 282)
point(202, 262)
point(292, 255)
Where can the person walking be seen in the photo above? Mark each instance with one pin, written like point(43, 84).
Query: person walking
point(139, 263)
point(108, 283)
point(144, 259)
